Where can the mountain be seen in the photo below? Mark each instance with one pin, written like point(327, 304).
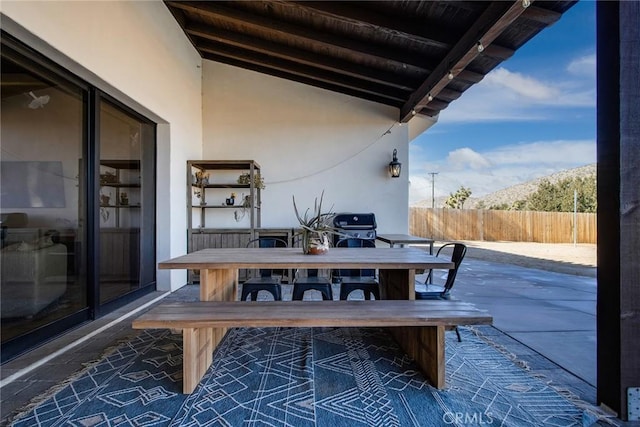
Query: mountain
point(517, 192)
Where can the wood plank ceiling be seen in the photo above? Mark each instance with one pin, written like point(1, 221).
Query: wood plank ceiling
point(417, 56)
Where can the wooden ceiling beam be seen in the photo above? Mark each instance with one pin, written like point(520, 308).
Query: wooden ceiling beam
point(498, 52)
point(300, 56)
point(372, 50)
point(490, 24)
point(469, 76)
point(449, 94)
point(438, 105)
point(430, 112)
point(532, 13)
point(367, 52)
point(302, 79)
point(310, 73)
point(430, 34)
point(543, 16)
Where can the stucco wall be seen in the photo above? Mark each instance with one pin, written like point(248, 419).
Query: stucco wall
point(306, 140)
point(136, 52)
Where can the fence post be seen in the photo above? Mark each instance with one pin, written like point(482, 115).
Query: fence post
point(575, 216)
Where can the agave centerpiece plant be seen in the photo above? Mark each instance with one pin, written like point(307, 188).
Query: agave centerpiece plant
point(315, 227)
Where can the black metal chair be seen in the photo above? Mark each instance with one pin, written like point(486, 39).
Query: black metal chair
point(443, 292)
point(266, 281)
point(434, 291)
point(312, 282)
point(358, 279)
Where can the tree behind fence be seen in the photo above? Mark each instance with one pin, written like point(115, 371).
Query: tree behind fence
point(496, 225)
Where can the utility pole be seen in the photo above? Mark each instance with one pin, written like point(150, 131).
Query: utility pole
point(433, 183)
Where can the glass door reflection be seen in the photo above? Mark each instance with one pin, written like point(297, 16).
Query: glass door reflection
point(43, 239)
point(121, 200)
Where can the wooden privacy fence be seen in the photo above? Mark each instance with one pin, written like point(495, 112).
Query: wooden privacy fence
point(495, 225)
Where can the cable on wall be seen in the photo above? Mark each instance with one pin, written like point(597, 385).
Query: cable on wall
point(344, 160)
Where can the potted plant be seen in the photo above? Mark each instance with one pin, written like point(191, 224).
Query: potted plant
point(202, 178)
point(258, 181)
point(315, 228)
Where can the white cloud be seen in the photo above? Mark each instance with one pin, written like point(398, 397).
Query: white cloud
point(585, 98)
point(545, 152)
point(467, 158)
point(538, 93)
point(524, 87)
point(583, 66)
point(505, 95)
point(495, 169)
point(484, 103)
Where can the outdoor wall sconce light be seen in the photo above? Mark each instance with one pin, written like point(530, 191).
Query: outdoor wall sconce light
point(395, 166)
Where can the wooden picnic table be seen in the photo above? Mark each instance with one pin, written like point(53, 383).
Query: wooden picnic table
point(418, 327)
point(219, 266)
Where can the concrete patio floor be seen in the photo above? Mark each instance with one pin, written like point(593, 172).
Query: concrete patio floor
point(543, 295)
point(544, 319)
point(552, 313)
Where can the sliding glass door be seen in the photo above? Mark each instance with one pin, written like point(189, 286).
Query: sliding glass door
point(126, 198)
point(44, 246)
point(77, 206)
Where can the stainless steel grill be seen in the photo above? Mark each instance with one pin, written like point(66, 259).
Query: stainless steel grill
point(358, 225)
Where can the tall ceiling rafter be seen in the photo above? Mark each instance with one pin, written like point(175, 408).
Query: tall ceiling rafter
point(397, 53)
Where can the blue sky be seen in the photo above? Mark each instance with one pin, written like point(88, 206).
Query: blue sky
point(531, 116)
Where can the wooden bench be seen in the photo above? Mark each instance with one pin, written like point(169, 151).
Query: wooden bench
point(418, 326)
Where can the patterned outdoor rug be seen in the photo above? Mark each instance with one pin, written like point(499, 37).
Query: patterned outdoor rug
point(305, 377)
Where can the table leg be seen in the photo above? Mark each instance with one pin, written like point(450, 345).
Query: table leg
point(218, 285)
point(425, 345)
point(197, 354)
point(199, 343)
point(397, 284)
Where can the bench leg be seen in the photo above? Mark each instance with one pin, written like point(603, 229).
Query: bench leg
point(197, 354)
point(425, 345)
